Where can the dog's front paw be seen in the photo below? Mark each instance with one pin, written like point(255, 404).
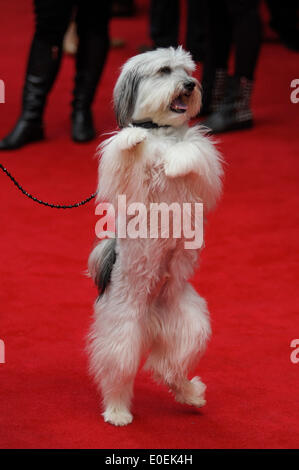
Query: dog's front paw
point(117, 416)
point(179, 161)
point(131, 136)
point(171, 169)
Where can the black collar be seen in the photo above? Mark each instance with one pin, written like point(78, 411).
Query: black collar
point(147, 125)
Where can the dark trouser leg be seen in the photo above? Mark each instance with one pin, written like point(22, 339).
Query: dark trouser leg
point(284, 20)
point(164, 22)
point(247, 35)
point(51, 17)
point(196, 28)
point(92, 21)
point(234, 112)
point(217, 47)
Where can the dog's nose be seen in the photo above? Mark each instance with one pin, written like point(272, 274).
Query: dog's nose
point(189, 85)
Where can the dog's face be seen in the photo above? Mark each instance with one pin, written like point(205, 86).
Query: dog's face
point(157, 86)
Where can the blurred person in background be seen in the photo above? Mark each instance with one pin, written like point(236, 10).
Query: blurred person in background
point(227, 98)
point(52, 18)
point(119, 8)
point(123, 8)
point(284, 21)
point(165, 22)
point(213, 26)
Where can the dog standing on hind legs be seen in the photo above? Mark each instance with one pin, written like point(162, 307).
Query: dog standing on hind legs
point(145, 304)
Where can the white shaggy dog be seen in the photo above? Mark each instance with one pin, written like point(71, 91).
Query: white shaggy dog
point(146, 305)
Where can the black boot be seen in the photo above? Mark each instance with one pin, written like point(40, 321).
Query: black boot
point(42, 68)
point(25, 131)
point(90, 60)
point(82, 125)
point(234, 111)
point(29, 127)
point(213, 88)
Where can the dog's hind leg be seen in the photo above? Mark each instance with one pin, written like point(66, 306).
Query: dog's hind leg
point(182, 329)
point(115, 345)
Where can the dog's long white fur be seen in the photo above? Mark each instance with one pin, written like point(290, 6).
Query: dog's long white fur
point(149, 308)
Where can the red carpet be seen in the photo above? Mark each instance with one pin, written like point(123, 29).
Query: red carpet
point(249, 274)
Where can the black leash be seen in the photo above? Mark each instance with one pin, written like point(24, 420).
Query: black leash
point(145, 124)
point(44, 203)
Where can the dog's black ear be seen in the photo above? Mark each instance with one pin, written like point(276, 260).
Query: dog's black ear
point(125, 94)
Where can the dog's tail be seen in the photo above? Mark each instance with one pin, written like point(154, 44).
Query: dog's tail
point(100, 263)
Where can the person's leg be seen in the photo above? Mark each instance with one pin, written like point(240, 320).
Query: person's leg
point(217, 48)
point(196, 29)
point(234, 112)
point(51, 21)
point(92, 22)
point(164, 22)
point(284, 20)
point(247, 35)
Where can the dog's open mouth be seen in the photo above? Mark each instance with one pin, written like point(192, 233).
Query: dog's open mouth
point(180, 103)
